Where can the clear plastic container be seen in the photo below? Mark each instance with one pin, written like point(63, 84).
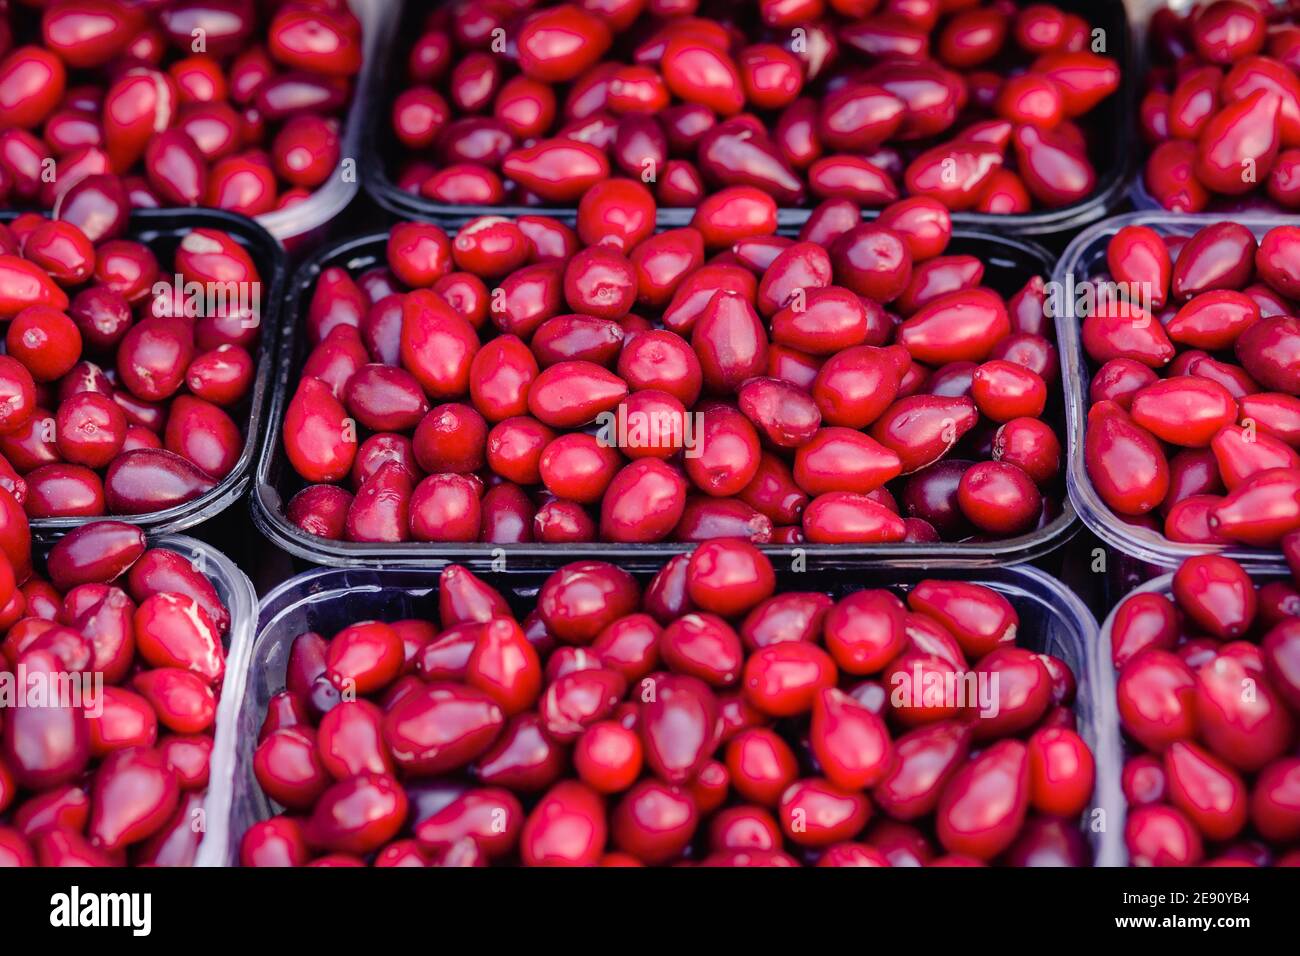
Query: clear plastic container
point(1052, 619)
point(1112, 153)
point(1084, 259)
point(237, 594)
point(1103, 669)
point(297, 222)
point(378, 25)
point(1142, 200)
point(1008, 264)
point(162, 230)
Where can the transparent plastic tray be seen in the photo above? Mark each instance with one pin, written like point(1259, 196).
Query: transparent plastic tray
point(162, 230)
point(1101, 665)
point(1113, 155)
point(378, 25)
point(299, 221)
point(1053, 619)
point(1085, 258)
point(237, 594)
point(1008, 264)
point(1258, 205)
